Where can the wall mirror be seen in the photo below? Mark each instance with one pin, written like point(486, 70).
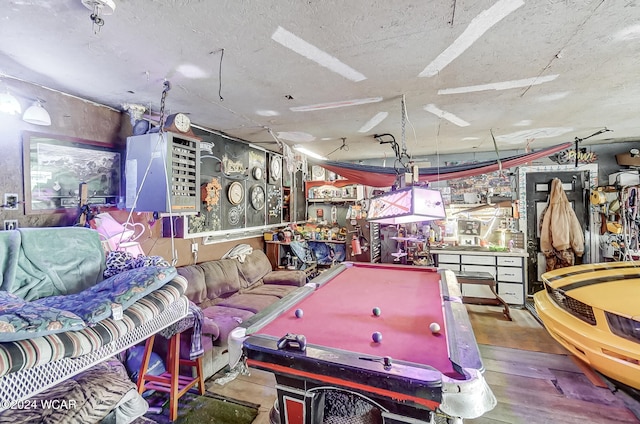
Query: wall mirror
point(55, 166)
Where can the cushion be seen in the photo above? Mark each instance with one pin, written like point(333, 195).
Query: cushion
point(124, 289)
point(221, 277)
point(219, 321)
point(196, 289)
point(255, 266)
point(128, 287)
point(271, 289)
point(249, 302)
point(90, 308)
point(21, 320)
point(289, 278)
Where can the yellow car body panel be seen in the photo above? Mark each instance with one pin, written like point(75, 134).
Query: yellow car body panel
point(582, 326)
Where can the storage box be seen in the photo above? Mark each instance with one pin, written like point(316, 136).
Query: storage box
point(625, 178)
point(625, 159)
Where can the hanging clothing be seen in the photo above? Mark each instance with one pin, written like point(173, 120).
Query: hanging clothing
point(561, 234)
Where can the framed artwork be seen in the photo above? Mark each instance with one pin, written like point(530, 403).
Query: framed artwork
point(55, 166)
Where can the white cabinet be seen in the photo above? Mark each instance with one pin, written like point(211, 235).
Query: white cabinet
point(511, 279)
point(508, 270)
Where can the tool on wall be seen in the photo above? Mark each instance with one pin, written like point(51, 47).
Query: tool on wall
point(359, 243)
point(578, 140)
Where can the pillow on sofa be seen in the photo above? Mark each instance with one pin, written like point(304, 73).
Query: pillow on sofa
point(125, 288)
point(286, 278)
point(196, 289)
point(255, 266)
point(21, 320)
point(221, 277)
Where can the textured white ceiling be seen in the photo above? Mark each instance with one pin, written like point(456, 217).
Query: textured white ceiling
point(579, 60)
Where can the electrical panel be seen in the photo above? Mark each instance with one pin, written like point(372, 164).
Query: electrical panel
point(162, 173)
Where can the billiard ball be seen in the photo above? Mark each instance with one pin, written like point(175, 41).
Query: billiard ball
point(377, 337)
point(376, 311)
point(299, 313)
point(434, 327)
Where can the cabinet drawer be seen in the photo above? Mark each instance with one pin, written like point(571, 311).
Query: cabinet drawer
point(509, 261)
point(511, 293)
point(478, 260)
point(478, 268)
point(452, 267)
point(476, 290)
point(448, 259)
point(512, 275)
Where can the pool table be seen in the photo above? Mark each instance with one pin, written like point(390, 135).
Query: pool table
point(329, 368)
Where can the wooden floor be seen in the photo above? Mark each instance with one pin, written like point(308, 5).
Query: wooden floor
point(534, 379)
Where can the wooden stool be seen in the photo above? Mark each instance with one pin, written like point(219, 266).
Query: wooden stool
point(486, 279)
point(170, 381)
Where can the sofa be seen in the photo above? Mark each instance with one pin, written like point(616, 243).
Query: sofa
point(229, 291)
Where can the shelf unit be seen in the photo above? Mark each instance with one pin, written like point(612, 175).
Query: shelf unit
point(333, 191)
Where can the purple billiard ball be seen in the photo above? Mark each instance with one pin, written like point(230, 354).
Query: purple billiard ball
point(299, 313)
point(377, 337)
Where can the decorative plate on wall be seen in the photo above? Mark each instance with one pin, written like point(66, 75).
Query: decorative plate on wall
point(275, 168)
point(235, 194)
point(317, 173)
point(257, 172)
point(257, 195)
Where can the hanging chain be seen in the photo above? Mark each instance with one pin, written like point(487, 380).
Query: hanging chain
point(404, 153)
point(167, 87)
point(403, 122)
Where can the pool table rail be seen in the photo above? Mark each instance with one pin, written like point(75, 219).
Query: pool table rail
point(463, 347)
point(328, 365)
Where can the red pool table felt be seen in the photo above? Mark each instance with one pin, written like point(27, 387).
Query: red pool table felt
point(340, 315)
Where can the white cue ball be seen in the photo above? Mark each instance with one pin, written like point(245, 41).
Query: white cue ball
point(434, 327)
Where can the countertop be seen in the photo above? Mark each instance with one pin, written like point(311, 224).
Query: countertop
point(476, 250)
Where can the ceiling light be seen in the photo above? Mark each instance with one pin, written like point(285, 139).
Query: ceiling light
point(504, 85)
point(333, 105)
point(311, 52)
point(37, 115)
point(9, 104)
point(309, 153)
point(553, 97)
point(373, 122)
point(534, 133)
point(523, 123)
point(268, 112)
point(411, 204)
point(446, 115)
point(476, 29)
point(296, 136)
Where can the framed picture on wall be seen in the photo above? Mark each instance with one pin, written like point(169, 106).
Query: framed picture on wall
point(55, 166)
